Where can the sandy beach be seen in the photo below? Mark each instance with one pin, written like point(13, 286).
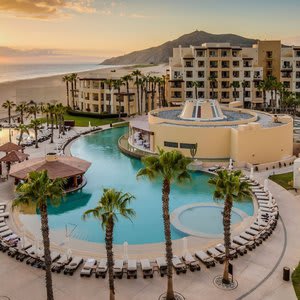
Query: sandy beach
point(45, 89)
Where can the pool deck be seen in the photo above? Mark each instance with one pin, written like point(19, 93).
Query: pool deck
point(259, 273)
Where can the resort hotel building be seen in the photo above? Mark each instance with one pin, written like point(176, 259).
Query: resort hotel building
point(218, 67)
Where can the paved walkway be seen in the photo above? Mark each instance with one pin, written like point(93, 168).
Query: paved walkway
point(254, 272)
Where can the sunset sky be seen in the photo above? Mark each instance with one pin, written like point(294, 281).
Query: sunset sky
point(90, 30)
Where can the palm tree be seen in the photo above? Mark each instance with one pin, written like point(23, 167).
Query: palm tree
point(170, 166)
point(229, 187)
point(146, 92)
point(35, 125)
point(212, 81)
point(140, 86)
point(244, 85)
point(60, 112)
point(38, 189)
point(117, 85)
point(21, 108)
point(9, 105)
point(265, 86)
point(110, 83)
point(73, 80)
point(153, 82)
point(23, 129)
point(126, 80)
point(52, 110)
point(235, 85)
point(163, 83)
point(111, 205)
point(33, 109)
point(66, 79)
point(196, 85)
point(137, 74)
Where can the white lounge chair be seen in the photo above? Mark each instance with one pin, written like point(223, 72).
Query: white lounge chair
point(205, 258)
point(217, 255)
point(162, 266)
point(88, 267)
point(191, 262)
point(4, 214)
point(101, 269)
point(178, 265)
point(71, 267)
point(132, 269)
point(118, 268)
point(146, 268)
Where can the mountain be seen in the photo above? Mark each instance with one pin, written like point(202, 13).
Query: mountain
point(161, 54)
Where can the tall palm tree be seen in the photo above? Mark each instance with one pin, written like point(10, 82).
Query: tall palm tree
point(9, 105)
point(52, 110)
point(153, 83)
point(146, 92)
point(60, 112)
point(140, 86)
point(235, 85)
point(110, 83)
point(22, 128)
point(73, 80)
point(244, 85)
point(21, 108)
point(169, 166)
point(33, 109)
point(38, 189)
point(35, 125)
point(111, 205)
point(163, 84)
point(212, 81)
point(137, 74)
point(229, 187)
point(126, 79)
point(66, 79)
point(265, 86)
point(196, 85)
point(117, 85)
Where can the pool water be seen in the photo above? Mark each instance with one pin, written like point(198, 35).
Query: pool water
point(112, 169)
point(206, 219)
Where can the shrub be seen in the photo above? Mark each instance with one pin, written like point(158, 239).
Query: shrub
point(103, 115)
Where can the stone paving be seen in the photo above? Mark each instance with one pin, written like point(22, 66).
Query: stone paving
point(255, 272)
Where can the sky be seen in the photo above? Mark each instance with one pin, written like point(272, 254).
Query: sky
point(52, 31)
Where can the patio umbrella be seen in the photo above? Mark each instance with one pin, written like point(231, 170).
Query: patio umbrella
point(125, 251)
point(252, 173)
point(8, 147)
point(184, 246)
point(266, 185)
point(14, 156)
point(230, 167)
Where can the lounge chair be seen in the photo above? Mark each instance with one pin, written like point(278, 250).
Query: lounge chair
point(205, 258)
point(101, 269)
point(146, 268)
point(232, 252)
point(54, 256)
point(73, 265)
point(2, 224)
point(250, 245)
point(118, 268)
point(24, 252)
point(178, 265)
point(5, 233)
point(217, 255)
point(88, 267)
point(132, 269)
point(162, 266)
point(4, 228)
point(58, 265)
point(241, 250)
point(191, 262)
point(249, 237)
point(1, 219)
point(4, 214)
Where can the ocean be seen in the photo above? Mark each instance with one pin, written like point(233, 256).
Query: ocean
point(12, 72)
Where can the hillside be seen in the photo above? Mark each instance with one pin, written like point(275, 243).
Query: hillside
point(161, 54)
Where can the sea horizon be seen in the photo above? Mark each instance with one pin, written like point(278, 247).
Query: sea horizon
point(15, 72)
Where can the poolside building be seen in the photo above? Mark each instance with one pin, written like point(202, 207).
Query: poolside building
point(208, 131)
point(217, 66)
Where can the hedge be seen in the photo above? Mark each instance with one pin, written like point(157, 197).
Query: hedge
point(94, 115)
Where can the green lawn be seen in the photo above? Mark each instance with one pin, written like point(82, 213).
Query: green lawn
point(84, 121)
point(285, 180)
point(296, 281)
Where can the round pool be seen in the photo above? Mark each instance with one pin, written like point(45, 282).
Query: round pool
point(203, 219)
point(112, 169)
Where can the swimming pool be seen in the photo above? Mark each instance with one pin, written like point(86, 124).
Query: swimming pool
point(111, 168)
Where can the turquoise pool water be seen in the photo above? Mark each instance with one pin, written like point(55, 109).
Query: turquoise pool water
point(111, 168)
point(206, 219)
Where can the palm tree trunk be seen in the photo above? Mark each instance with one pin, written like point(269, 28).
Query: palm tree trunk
point(47, 256)
point(110, 258)
point(138, 93)
point(227, 243)
point(142, 95)
point(22, 116)
point(9, 116)
point(128, 98)
point(52, 128)
point(119, 100)
point(68, 96)
point(36, 136)
point(20, 138)
point(73, 100)
point(168, 240)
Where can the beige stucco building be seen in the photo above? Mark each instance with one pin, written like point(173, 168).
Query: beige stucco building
point(229, 64)
point(215, 133)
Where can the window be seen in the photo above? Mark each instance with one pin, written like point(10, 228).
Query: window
point(224, 53)
point(247, 94)
point(95, 97)
point(297, 85)
point(287, 84)
point(236, 63)
point(189, 94)
point(108, 97)
point(188, 64)
point(102, 85)
point(189, 84)
point(96, 108)
point(298, 53)
point(297, 64)
point(269, 54)
point(213, 53)
point(201, 74)
point(235, 53)
point(236, 74)
point(225, 64)
point(297, 74)
point(258, 94)
point(200, 53)
point(171, 144)
point(201, 64)
point(247, 64)
point(213, 64)
point(269, 64)
point(225, 74)
point(247, 74)
point(200, 95)
point(189, 74)
point(187, 146)
point(213, 74)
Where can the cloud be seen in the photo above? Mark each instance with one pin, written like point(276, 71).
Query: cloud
point(13, 52)
point(46, 9)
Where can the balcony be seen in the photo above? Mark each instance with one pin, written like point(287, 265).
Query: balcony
point(286, 67)
point(188, 65)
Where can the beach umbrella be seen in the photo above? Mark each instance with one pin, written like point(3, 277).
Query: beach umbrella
point(69, 253)
point(184, 246)
point(266, 185)
point(230, 167)
point(252, 173)
point(90, 124)
point(125, 251)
